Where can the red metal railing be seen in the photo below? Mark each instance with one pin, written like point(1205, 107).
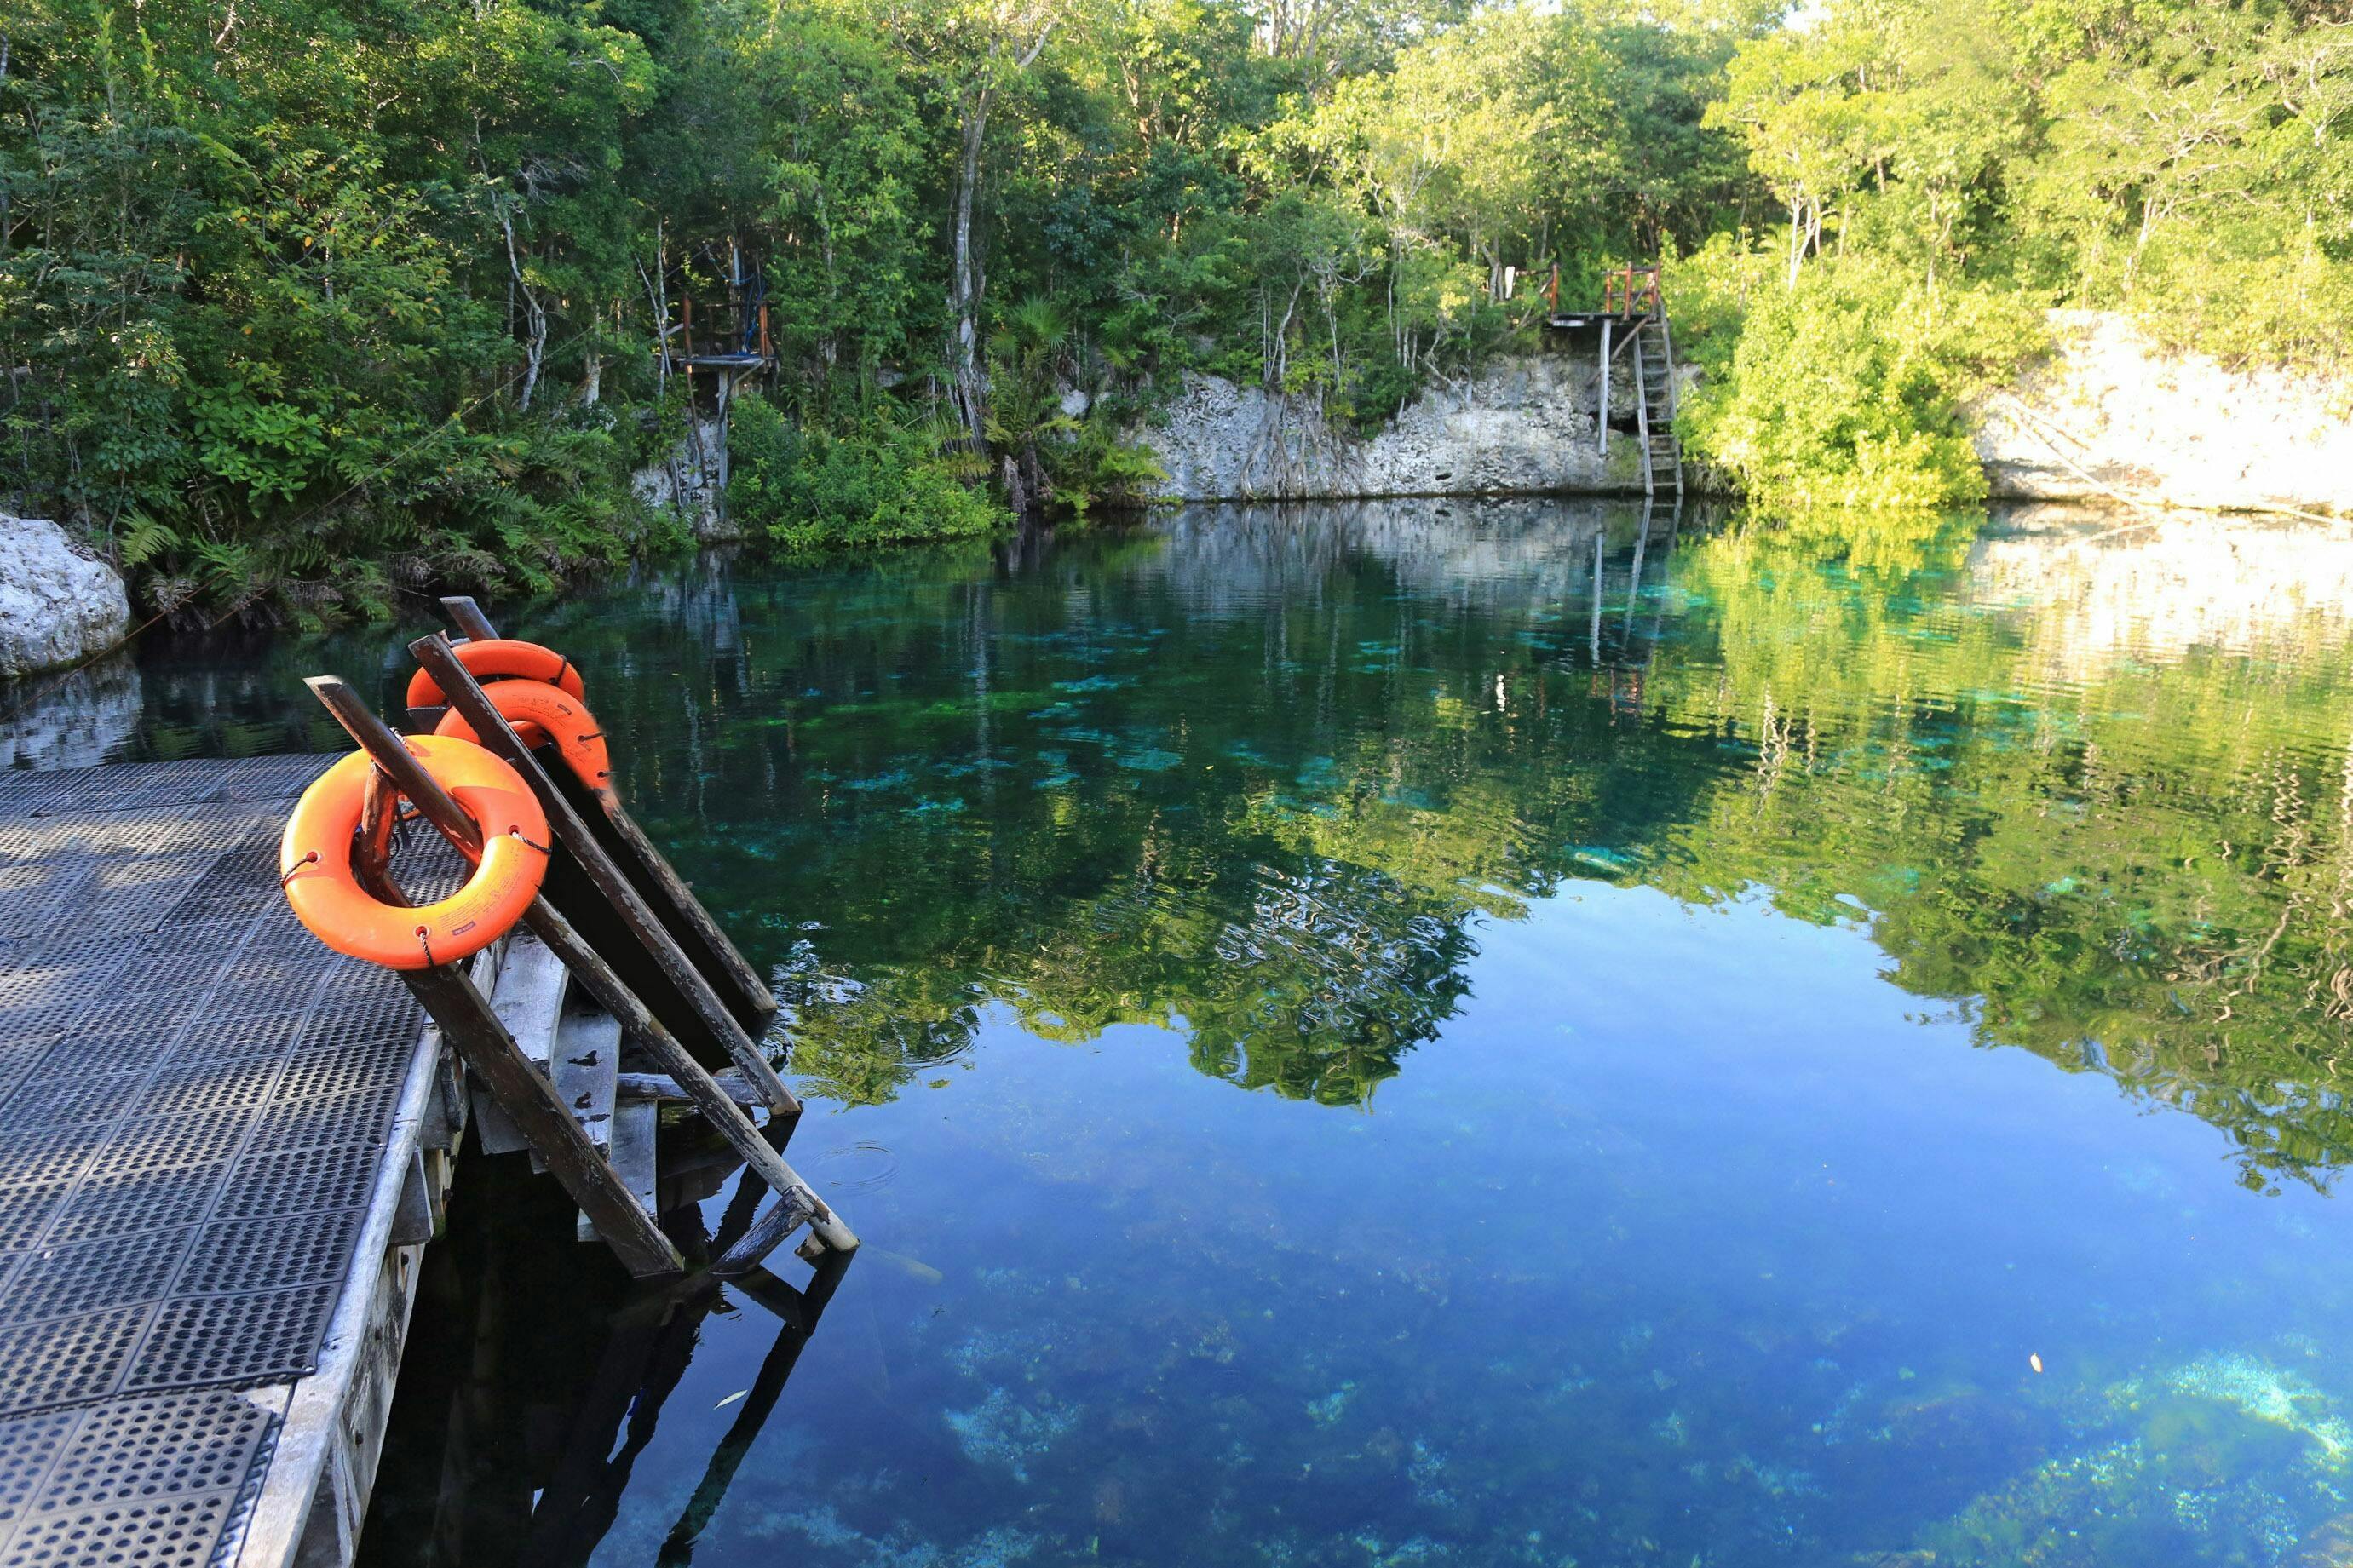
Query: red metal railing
point(1630, 292)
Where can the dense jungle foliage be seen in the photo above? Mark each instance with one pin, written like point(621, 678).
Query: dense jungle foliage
point(305, 304)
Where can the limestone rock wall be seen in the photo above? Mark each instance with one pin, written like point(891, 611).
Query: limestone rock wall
point(2105, 412)
point(1523, 425)
point(2179, 428)
point(58, 603)
point(692, 480)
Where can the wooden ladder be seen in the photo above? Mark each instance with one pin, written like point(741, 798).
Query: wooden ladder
point(548, 1052)
point(1654, 406)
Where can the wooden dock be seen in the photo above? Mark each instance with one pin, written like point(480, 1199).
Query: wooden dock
point(222, 1149)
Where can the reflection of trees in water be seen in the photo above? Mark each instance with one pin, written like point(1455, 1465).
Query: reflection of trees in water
point(2141, 868)
point(2144, 871)
point(1280, 782)
point(1254, 770)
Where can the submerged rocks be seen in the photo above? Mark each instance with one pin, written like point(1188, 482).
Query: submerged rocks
point(58, 603)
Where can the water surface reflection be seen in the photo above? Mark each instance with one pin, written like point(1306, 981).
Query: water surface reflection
point(1447, 1033)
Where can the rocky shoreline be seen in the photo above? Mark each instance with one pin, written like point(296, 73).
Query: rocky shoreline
point(2107, 417)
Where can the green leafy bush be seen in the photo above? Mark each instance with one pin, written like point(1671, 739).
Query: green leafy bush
point(1846, 390)
point(877, 481)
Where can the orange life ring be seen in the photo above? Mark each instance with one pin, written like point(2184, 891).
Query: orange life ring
point(314, 861)
point(493, 658)
point(541, 713)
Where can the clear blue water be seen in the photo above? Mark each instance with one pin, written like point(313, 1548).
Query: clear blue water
point(1349, 1047)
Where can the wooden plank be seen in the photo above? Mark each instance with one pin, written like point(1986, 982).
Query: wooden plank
point(1643, 417)
point(530, 1002)
point(1601, 421)
point(573, 833)
point(467, 616)
point(634, 1137)
point(782, 1218)
point(587, 1066)
point(659, 1086)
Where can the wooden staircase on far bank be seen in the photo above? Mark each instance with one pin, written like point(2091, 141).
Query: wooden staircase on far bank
point(1654, 406)
point(1632, 320)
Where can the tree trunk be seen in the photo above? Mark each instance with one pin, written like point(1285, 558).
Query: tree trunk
point(534, 315)
point(965, 387)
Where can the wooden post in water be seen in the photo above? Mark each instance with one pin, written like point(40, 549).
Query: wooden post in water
point(654, 869)
point(457, 684)
point(1595, 634)
point(691, 1078)
point(468, 1023)
point(1601, 420)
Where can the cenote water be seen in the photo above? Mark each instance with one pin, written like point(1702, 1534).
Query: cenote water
point(1449, 1033)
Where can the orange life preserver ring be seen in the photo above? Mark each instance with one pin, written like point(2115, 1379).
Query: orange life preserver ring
point(314, 860)
point(494, 658)
point(541, 713)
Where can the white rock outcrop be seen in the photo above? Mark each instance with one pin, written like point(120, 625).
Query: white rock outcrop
point(693, 481)
point(57, 602)
point(1522, 425)
point(2105, 414)
point(2107, 410)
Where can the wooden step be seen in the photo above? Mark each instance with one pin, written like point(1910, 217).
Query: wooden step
point(529, 1000)
point(588, 1069)
point(636, 1126)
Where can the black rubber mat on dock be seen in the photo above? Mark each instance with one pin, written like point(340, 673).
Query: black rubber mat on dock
point(195, 1096)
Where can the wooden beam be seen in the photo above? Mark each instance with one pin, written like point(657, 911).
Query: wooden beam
point(767, 1232)
point(467, 616)
point(667, 1090)
point(1601, 421)
point(586, 964)
point(572, 830)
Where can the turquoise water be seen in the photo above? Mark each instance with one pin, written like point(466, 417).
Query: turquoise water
point(1449, 1033)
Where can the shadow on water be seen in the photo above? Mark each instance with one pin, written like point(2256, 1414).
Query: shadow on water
point(515, 1441)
